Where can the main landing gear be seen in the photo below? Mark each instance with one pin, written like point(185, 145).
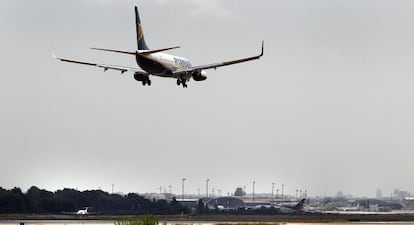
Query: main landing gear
point(182, 81)
point(145, 82)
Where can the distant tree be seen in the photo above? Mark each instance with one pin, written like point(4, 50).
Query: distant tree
point(32, 199)
point(162, 207)
point(69, 200)
point(177, 208)
point(200, 206)
point(48, 202)
point(174, 201)
point(139, 204)
point(12, 201)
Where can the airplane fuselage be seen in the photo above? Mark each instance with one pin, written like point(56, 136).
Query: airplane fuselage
point(163, 65)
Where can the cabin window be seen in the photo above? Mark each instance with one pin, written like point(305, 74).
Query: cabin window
point(182, 63)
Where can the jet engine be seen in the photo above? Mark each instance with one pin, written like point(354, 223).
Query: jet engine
point(200, 75)
point(140, 77)
point(144, 78)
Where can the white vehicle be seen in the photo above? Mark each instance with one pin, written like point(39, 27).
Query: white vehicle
point(83, 211)
point(156, 63)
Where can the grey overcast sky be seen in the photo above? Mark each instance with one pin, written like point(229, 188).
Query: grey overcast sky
point(329, 107)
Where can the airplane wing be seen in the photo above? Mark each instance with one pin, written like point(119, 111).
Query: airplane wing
point(106, 67)
point(220, 64)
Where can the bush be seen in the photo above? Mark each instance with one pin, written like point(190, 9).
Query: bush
point(145, 220)
point(149, 220)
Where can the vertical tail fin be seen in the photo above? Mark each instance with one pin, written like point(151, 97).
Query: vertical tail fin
point(300, 204)
point(140, 34)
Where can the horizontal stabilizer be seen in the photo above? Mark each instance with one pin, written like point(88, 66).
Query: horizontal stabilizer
point(116, 51)
point(148, 52)
point(143, 52)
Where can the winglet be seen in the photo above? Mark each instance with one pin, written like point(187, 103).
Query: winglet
point(261, 54)
point(56, 57)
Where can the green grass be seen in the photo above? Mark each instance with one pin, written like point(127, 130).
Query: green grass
point(145, 220)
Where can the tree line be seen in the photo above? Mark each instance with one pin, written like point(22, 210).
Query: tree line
point(63, 201)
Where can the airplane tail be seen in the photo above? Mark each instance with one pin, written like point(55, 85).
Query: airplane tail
point(140, 34)
point(300, 204)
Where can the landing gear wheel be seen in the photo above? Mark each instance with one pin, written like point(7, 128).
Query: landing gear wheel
point(178, 82)
point(184, 82)
point(145, 82)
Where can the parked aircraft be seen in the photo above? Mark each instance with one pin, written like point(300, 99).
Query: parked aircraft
point(157, 63)
point(83, 211)
point(292, 208)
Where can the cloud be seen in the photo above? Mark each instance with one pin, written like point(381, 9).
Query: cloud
point(108, 2)
point(101, 2)
point(207, 8)
point(198, 8)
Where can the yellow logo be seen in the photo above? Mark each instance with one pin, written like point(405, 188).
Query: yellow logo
point(140, 34)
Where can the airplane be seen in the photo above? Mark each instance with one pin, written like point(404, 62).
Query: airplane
point(83, 212)
point(289, 208)
point(352, 206)
point(157, 63)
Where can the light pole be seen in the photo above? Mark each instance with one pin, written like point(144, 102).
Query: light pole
point(182, 196)
point(254, 183)
point(207, 187)
point(297, 193)
point(273, 192)
point(170, 188)
point(277, 193)
point(283, 197)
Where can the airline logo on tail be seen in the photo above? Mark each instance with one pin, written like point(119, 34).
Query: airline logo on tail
point(140, 33)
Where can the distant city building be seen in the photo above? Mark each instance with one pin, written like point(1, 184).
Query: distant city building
point(409, 203)
point(239, 192)
point(340, 194)
point(379, 194)
point(401, 195)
